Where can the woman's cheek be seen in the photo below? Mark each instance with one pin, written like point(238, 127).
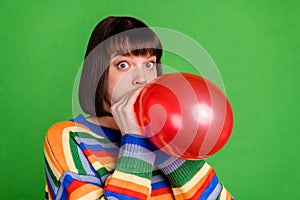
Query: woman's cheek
point(119, 91)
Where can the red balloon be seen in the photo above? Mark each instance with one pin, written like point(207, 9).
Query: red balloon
point(185, 115)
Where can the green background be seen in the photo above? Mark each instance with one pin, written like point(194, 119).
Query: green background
point(255, 45)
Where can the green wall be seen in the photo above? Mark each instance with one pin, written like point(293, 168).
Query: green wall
point(255, 45)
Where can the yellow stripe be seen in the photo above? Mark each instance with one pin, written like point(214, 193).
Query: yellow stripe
point(67, 150)
point(53, 169)
point(132, 178)
point(189, 185)
point(83, 129)
point(223, 194)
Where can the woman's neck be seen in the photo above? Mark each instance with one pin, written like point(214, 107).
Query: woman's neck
point(105, 121)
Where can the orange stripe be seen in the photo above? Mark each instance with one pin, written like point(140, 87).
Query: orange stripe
point(92, 159)
point(228, 196)
point(54, 138)
point(120, 183)
point(54, 145)
point(51, 157)
point(126, 191)
point(105, 158)
point(102, 153)
point(49, 191)
point(195, 188)
point(83, 190)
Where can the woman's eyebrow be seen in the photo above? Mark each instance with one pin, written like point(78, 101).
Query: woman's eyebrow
point(118, 57)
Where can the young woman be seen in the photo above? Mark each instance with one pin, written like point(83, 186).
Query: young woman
point(106, 155)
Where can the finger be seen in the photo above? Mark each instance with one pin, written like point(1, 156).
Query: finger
point(134, 95)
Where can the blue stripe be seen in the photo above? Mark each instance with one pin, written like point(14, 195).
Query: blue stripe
point(159, 185)
point(111, 134)
point(138, 140)
point(69, 176)
point(209, 189)
point(97, 147)
point(64, 195)
point(108, 194)
point(66, 180)
point(50, 187)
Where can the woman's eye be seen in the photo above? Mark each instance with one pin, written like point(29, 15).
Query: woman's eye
point(122, 65)
point(149, 65)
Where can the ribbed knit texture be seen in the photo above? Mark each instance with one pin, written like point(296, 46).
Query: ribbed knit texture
point(83, 160)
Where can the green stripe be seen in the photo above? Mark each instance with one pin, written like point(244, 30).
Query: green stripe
point(51, 173)
point(135, 166)
point(76, 157)
point(102, 171)
point(156, 172)
point(185, 172)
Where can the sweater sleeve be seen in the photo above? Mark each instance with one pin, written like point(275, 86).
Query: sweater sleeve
point(69, 174)
point(132, 176)
point(73, 172)
point(191, 179)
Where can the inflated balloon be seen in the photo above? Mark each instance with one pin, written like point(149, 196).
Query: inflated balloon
point(185, 115)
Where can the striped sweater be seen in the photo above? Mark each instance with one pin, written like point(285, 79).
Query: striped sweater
point(86, 161)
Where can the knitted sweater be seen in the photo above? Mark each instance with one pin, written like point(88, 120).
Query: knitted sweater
point(86, 161)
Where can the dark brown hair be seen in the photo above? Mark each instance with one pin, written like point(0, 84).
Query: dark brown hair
point(113, 36)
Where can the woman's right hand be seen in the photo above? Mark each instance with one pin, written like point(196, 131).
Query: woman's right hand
point(124, 114)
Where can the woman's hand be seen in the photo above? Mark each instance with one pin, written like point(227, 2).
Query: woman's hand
point(124, 115)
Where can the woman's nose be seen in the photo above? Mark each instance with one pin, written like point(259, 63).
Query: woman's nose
point(139, 76)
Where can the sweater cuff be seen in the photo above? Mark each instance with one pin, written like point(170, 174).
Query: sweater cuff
point(136, 155)
point(178, 170)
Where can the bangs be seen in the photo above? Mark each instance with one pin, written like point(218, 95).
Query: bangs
point(138, 42)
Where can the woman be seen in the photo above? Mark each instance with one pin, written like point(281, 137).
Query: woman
point(106, 155)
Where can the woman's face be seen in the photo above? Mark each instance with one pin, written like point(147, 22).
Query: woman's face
point(127, 73)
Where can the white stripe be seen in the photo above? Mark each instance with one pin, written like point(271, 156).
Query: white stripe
point(52, 184)
point(92, 141)
point(53, 169)
point(131, 178)
point(215, 192)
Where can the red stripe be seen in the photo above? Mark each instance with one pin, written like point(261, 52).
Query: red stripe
point(87, 152)
point(126, 192)
point(204, 186)
point(75, 185)
point(160, 191)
